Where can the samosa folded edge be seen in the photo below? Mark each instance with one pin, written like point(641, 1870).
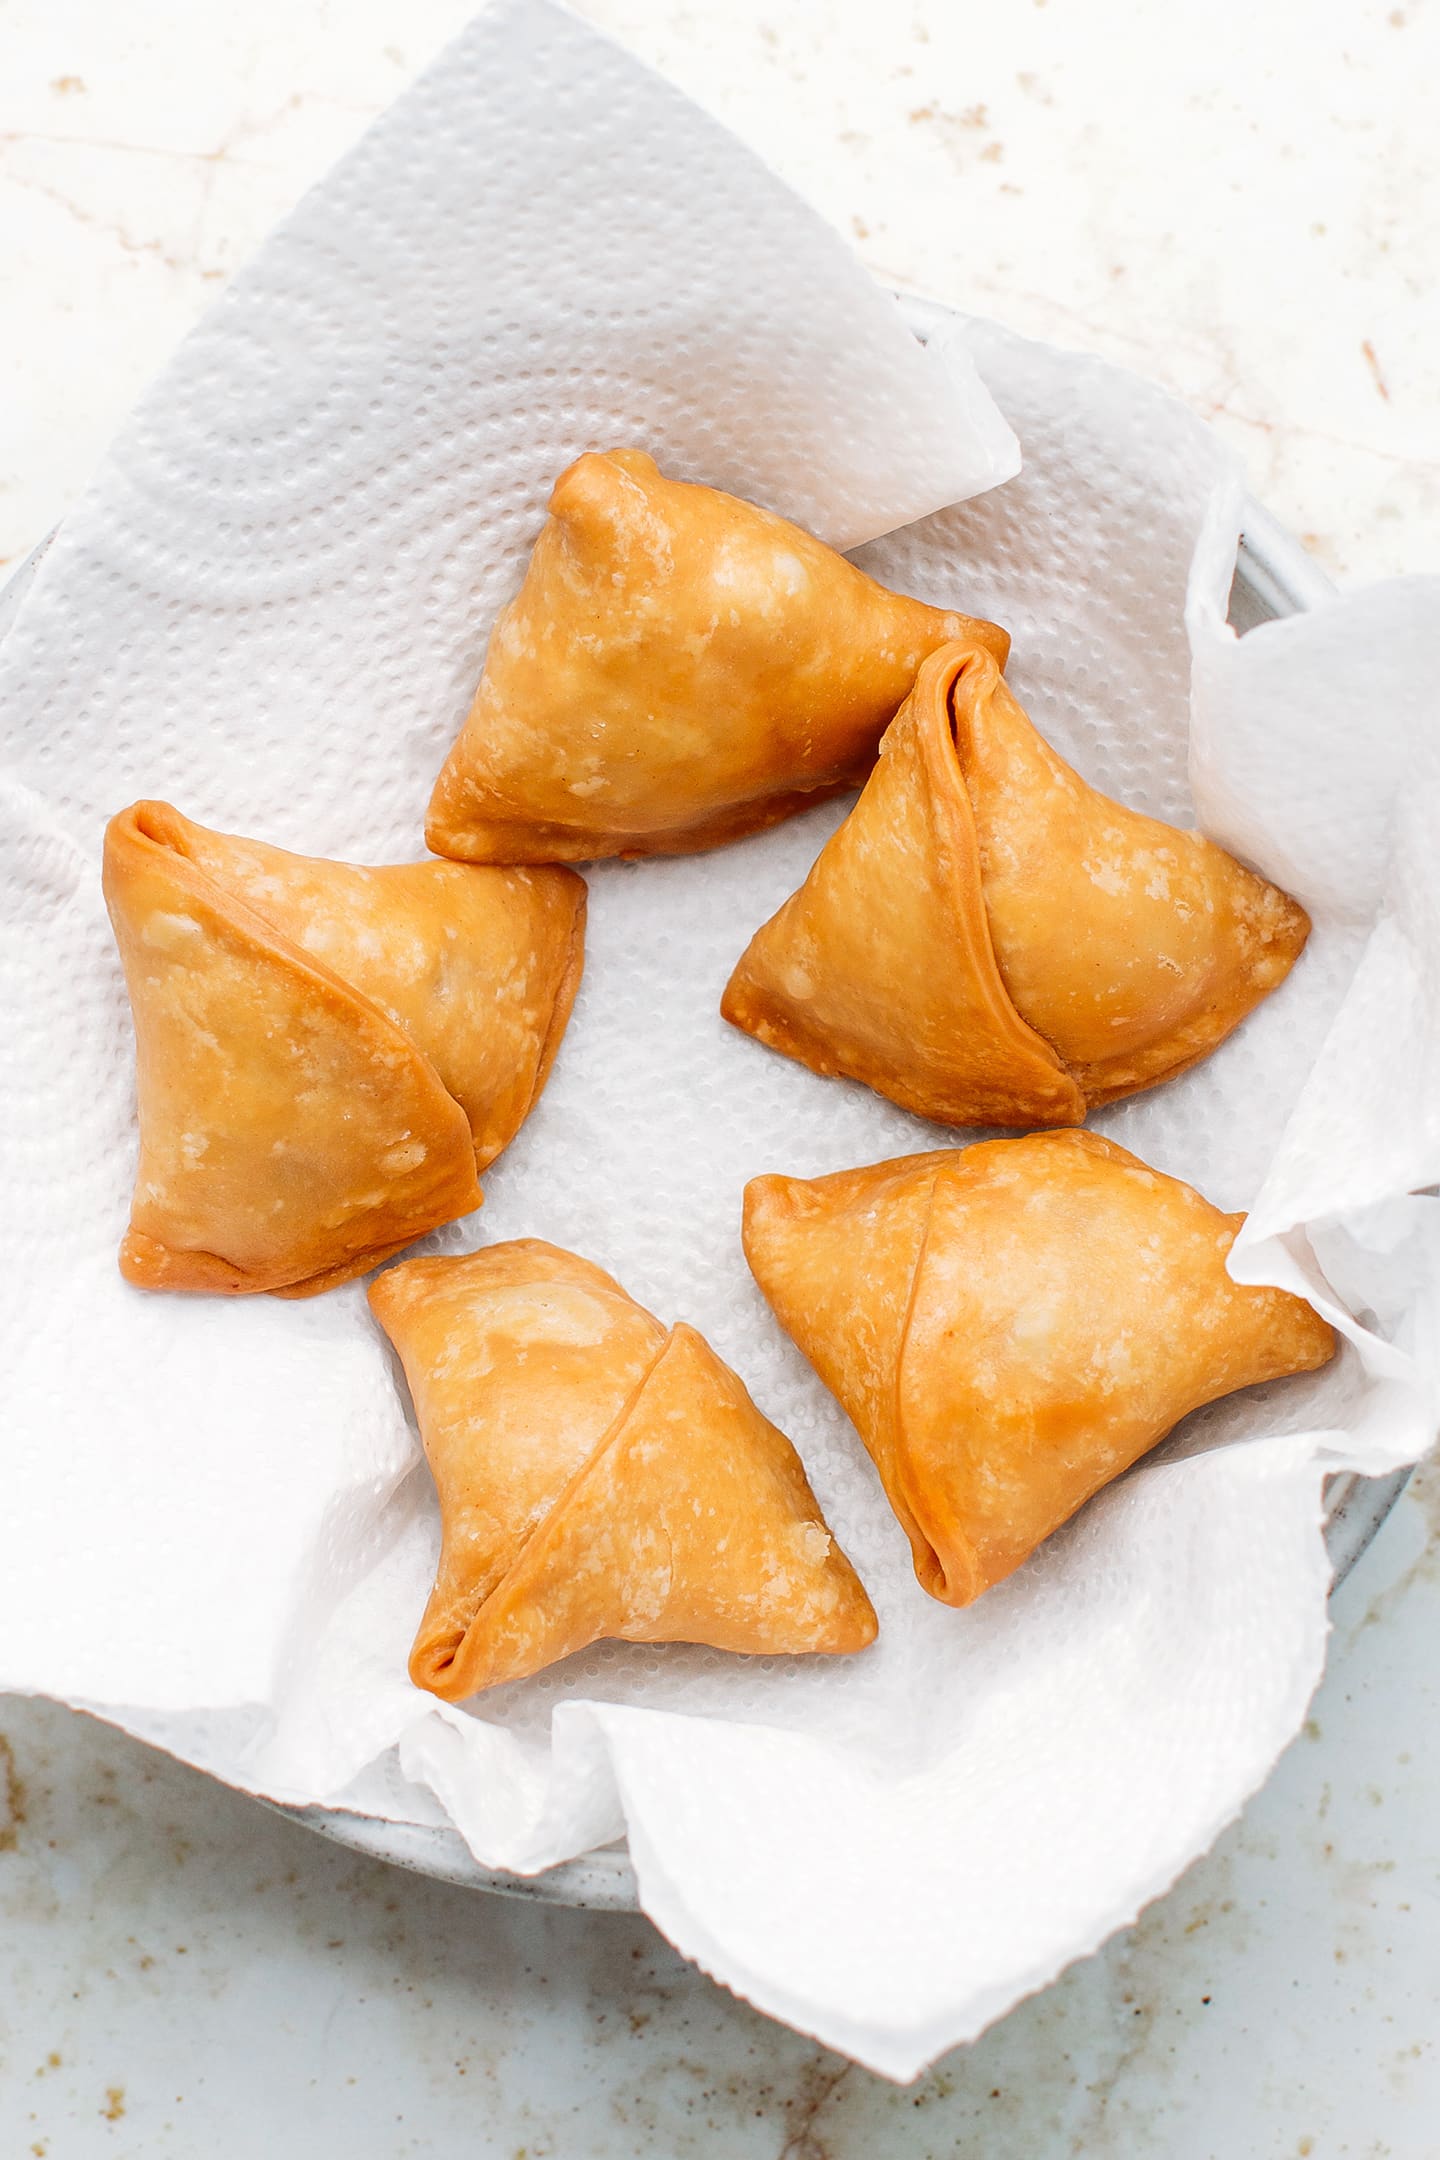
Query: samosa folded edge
point(988, 940)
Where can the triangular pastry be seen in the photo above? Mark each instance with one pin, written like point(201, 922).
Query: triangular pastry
point(678, 668)
point(989, 941)
point(1011, 1325)
point(599, 1476)
point(325, 1055)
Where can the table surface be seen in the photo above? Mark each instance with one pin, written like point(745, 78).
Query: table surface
point(1239, 202)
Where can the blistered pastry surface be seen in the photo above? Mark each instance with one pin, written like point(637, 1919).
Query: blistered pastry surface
point(677, 667)
point(1045, 1311)
point(599, 1476)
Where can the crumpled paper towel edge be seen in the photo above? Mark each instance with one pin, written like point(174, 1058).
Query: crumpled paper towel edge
point(1268, 1247)
point(598, 1738)
point(905, 2052)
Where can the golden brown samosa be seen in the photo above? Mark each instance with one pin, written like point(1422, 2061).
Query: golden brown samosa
point(1011, 1325)
point(678, 668)
point(989, 941)
point(599, 1475)
point(325, 1055)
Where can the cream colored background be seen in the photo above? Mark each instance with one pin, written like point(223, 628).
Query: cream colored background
point(1242, 202)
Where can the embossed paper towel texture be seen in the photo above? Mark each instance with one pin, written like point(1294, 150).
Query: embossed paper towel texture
point(272, 607)
point(886, 1850)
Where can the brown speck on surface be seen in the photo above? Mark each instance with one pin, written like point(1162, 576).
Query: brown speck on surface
point(1305, 2147)
point(114, 2106)
point(40, 2148)
point(51, 2062)
point(992, 153)
point(818, 2086)
point(12, 1797)
point(67, 85)
point(1375, 369)
point(860, 229)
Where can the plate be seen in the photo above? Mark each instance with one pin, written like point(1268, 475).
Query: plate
point(1274, 577)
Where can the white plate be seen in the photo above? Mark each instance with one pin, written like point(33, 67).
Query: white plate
point(1273, 577)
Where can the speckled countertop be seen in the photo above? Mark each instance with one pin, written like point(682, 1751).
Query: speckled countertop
point(1240, 202)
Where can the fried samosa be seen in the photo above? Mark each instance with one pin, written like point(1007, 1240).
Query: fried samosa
point(678, 668)
point(989, 941)
point(1011, 1325)
point(325, 1055)
point(599, 1475)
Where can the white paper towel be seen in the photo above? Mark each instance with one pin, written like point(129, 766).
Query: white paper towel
point(271, 607)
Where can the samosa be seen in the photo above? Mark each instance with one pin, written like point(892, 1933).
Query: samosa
point(325, 1054)
point(599, 1475)
point(678, 668)
point(989, 941)
point(1011, 1325)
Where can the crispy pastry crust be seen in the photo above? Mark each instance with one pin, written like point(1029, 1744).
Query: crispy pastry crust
point(1011, 1325)
point(324, 1054)
point(988, 941)
point(678, 669)
point(599, 1475)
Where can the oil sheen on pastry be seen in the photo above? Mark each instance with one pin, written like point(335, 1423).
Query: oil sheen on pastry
point(989, 941)
point(678, 668)
point(1011, 1325)
point(599, 1475)
point(325, 1055)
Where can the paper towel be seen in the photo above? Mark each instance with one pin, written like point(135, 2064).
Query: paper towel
point(272, 606)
